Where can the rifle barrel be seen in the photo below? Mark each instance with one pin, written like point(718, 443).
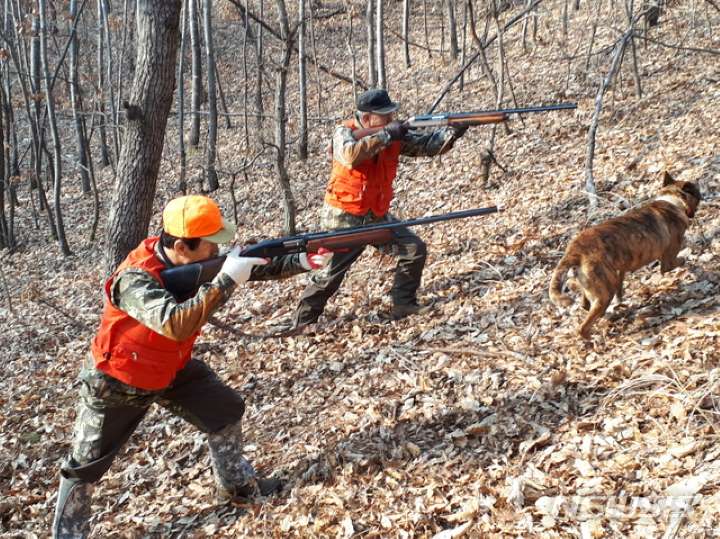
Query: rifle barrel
point(435, 120)
point(539, 108)
point(418, 221)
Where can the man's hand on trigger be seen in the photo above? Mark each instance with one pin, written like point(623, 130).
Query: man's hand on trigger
point(316, 261)
point(239, 268)
point(396, 130)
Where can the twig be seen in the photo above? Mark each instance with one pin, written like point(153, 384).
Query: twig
point(34, 294)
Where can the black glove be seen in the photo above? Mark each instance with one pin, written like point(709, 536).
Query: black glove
point(396, 130)
point(459, 131)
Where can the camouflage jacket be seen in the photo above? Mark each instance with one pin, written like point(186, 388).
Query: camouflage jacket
point(137, 293)
point(416, 143)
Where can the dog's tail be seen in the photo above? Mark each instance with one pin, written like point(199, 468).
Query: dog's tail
point(558, 280)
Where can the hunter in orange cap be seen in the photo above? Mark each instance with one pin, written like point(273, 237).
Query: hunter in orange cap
point(142, 354)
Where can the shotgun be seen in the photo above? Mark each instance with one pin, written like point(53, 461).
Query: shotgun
point(182, 281)
point(462, 119)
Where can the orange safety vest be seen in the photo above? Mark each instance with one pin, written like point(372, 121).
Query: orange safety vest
point(129, 351)
point(368, 185)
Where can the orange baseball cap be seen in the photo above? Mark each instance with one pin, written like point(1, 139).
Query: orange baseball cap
point(196, 216)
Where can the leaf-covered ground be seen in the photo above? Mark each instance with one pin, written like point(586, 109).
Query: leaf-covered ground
point(487, 416)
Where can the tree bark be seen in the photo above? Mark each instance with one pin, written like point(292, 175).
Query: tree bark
point(380, 44)
point(74, 103)
point(406, 32)
point(369, 18)
point(302, 83)
point(452, 29)
point(212, 178)
point(5, 236)
point(57, 155)
point(182, 183)
point(280, 121)
point(197, 89)
point(147, 113)
point(351, 50)
point(111, 91)
point(100, 97)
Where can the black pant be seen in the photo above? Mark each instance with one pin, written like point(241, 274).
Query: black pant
point(410, 252)
point(110, 411)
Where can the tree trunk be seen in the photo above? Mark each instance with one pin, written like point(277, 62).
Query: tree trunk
point(380, 44)
point(212, 178)
point(406, 32)
point(126, 24)
point(425, 27)
point(351, 50)
point(197, 89)
point(452, 29)
point(5, 237)
point(592, 131)
point(315, 62)
point(369, 18)
point(100, 97)
point(147, 113)
point(259, 107)
point(302, 83)
point(109, 78)
point(57, 155)
point(74, 90)
point(182, 183)
point(280, 121)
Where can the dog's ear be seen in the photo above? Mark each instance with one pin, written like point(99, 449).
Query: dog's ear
point(692, 190)
point(667, 179)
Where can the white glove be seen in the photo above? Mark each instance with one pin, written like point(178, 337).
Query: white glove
point(316, 261)
point(238, 268)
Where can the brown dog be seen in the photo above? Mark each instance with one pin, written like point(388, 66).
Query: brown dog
point(602, 254)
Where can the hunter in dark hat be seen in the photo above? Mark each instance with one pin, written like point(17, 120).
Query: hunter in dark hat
point(365, 153)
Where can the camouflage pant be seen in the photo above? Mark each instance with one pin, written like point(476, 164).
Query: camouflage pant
point(109, 411)
point(408, 248)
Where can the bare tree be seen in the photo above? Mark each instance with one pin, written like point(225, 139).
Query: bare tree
point(302, 83)
point(5, 232)
point(147, 111)
point(182, 182)
point(406, 31)
point(629, 7)
point(369, 21)
point(196, 88)
point(212, 178)
point(618, 53)
point(103, 6)
point(452, 29)
point(349, 41)
point(100, 93)
point(75, 103)
point(259, 106)
point(380, 43)
point(280, 121)
point(57, 155)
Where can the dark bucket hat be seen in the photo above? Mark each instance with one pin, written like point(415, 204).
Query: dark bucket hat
point(376, 101)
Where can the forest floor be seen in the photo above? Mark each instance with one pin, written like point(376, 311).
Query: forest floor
point(487, 416)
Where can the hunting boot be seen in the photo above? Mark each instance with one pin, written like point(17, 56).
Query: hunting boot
point(72, 511)
point(235, 477)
